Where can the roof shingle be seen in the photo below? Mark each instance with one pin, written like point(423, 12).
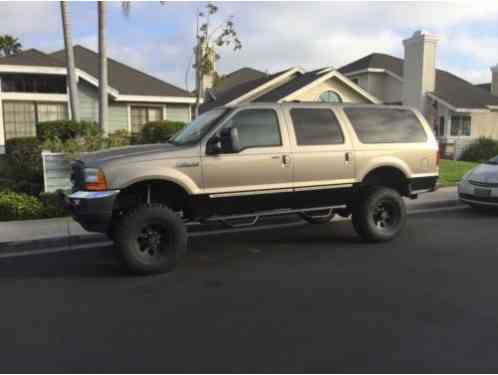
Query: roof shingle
point(125, 79)
point(450, 88)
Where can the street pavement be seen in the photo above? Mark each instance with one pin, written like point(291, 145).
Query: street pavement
point(307, 298)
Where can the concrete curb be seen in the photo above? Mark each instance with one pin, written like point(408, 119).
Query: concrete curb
point(78, 242)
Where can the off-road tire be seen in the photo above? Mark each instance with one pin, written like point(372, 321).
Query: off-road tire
point(379, 214)
point(151, 239)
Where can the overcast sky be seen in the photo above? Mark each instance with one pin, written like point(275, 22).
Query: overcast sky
point(159, 38)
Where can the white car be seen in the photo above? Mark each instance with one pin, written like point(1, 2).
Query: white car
point(479, 186)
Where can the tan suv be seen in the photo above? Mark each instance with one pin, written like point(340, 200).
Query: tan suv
point(235, 164)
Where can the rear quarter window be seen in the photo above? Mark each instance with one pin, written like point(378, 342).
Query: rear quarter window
point(386, 125)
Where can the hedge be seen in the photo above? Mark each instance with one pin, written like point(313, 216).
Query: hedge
point(480, 150)
point(24, 164)
point(19, 206)
point(159, 131)
point(65, 129)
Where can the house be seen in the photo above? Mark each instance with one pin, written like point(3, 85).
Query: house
point(458, 110)
point(33, 88)
point(249, 85)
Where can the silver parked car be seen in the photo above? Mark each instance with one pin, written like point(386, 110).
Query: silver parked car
point(479, 186)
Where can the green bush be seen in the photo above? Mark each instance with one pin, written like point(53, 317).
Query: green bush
point(24, 164)
point(52, 205)
point(19, 206)
point(119, 138)
point(159, 131)
point(65, 130)
point(480, 150)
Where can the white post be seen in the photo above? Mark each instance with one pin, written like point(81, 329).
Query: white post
point(165, 114)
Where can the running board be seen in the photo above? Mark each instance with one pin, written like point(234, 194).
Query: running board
point(248, 220)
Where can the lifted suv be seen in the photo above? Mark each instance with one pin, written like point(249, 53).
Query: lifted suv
point(236, 164)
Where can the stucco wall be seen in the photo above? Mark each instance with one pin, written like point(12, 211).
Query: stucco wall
point(347, 94)
point(484, 124)
point(381, 85)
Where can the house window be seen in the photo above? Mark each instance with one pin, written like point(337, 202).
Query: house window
point(440, 128)
point(142, 115)
point(460, 126)
point(45, 84)
point(20, 118)
point(51, 111)
point(330, 97)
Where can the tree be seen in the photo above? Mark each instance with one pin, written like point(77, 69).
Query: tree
point(208, 41)
point(9, 45)
point(103, 99)
point(70, 65)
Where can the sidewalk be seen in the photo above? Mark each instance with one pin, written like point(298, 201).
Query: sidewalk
point(66, 232)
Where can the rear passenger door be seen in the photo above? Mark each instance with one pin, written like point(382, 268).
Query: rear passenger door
point(321, 149)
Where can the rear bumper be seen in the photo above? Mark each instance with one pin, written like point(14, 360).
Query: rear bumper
point(92, 209)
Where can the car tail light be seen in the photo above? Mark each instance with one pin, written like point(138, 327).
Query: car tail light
point(96, 181)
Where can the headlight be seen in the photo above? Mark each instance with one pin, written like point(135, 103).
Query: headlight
point(95, 179)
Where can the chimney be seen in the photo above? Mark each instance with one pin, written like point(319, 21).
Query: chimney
point(494, 80)
point(208, 79)
point(419, 69)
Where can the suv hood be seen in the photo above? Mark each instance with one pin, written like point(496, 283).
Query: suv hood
point(130, 153)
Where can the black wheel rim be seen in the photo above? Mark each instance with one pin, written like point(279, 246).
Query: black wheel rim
point(154, 242)
point(386, 215)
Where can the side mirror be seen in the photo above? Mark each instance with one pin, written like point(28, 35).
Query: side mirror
point(213, 146)
point(227, 142)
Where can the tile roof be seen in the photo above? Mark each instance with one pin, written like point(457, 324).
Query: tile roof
point(239, 90)
point(125, 79)
point(450, 88)
point(293, 85)
point(236, 78)
point(32, 57)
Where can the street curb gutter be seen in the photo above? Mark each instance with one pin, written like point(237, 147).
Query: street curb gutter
point(78, 242)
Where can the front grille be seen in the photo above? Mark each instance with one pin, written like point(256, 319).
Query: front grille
point(483, 184)
point(479, 199)
point(77, 175)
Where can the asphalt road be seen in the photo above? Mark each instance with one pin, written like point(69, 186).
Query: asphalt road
point(310, 298)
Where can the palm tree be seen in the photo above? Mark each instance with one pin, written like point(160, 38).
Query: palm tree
point(9, 45)
point(70, 66)
point(103, 100)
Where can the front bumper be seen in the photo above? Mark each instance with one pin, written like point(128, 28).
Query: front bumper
point(92, 209)
point(467, 194)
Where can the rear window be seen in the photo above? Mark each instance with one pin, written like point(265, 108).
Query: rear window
point(386, 125)
point(316, 126)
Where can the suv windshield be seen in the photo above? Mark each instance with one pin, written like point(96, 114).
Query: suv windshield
point(194, 131)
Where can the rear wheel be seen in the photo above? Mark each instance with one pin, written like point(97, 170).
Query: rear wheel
point(151, 239)
point(379, 215)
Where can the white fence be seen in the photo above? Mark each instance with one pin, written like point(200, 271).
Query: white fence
point(56, 172)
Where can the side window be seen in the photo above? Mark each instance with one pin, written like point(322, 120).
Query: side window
point(256, 128)
point(316, 126)
point(386, 125)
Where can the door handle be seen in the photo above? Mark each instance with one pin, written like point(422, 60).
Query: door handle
point(286, 159)
point(347, 157)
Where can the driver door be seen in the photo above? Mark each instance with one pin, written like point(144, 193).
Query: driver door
point(260, 169)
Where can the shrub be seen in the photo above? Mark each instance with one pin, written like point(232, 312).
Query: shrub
point(119, 138)
point(52, 205)
point(24, 160)
point(480, 150)
point(159, 131)
point(65, 130)
point(19, 206)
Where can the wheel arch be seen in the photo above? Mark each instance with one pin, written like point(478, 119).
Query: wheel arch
point(392, 176)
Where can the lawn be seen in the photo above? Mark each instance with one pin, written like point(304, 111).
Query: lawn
point(450, 171)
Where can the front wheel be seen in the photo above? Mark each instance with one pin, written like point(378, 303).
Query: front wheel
point(379, 215)
point(151, 239)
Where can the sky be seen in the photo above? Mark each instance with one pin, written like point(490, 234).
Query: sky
point(159, 38)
